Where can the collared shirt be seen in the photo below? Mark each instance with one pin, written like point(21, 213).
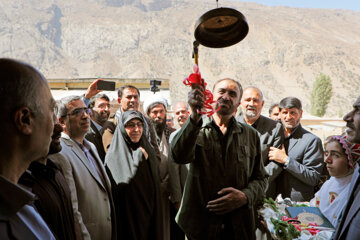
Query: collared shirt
point(54, 198)
point(98, 126)
point(86, 148)
point(223, 138)
point(287, 138)
point(16, 207)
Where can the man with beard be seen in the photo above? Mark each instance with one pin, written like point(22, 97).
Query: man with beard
point(155, 108)
point(53, 194)
point(271, 132)
point(181, 113)
point(100, 106)
point(348, 227)
point(84, 172)
point(226, 176)
point(302, 157)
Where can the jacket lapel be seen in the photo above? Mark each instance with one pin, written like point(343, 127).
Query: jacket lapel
point(294, 139)
point(355, 204)
point(81, 155)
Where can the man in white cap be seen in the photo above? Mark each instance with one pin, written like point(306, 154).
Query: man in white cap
point(155, 108)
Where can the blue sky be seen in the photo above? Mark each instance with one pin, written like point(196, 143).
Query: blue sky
point(342, 4)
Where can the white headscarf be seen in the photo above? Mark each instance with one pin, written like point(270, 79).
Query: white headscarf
point(332, 197)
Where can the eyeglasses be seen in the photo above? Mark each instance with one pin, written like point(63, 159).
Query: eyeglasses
point(132, 125)
point(80, 111)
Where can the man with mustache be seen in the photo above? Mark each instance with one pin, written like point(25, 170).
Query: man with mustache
point(271, 132)
point(348, 227)
point(302, 155)
point(155, 107)
point(100, 106)
point(84, 172)
point(53, 194)
point(226, 176)
point(274, 112)
point(181, 112)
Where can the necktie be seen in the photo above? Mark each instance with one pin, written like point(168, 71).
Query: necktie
point(92, 162)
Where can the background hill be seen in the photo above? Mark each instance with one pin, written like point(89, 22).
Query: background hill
point(285, 50)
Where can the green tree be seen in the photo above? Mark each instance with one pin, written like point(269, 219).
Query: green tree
point(320, 95)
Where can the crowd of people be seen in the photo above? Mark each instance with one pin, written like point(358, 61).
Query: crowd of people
point(71, 170)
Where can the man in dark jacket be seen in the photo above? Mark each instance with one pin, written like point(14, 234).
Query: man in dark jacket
point(53, 194)
point(227, 176)
point(100, 106)
point(271, 132)
point(349, 226)
point(302, 156)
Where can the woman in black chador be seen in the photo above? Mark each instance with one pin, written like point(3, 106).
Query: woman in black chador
point(132, 167)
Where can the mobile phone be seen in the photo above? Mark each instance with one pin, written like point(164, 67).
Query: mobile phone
point(106, 85)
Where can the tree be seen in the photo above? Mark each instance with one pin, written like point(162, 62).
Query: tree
point(320, 95)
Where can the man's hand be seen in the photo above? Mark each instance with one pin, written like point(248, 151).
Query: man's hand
point(92, 89)
point(196, 101)
point(278, 155)
point(232, 200)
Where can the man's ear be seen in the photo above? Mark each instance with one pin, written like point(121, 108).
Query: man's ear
point(61, 121)
point(119, 100)
point(23, 120)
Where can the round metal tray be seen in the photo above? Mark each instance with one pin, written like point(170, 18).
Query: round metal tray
point(221, 27)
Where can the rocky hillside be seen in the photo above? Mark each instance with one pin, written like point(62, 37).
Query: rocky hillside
point(285, 50)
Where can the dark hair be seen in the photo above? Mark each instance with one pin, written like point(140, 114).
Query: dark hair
point(122, 88)
point(154, 104)
point(237, 83)
point(96, 97)
point(290, 102)
point(272, 107)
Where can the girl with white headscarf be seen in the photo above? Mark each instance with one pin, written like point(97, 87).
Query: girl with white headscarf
point(341, 159)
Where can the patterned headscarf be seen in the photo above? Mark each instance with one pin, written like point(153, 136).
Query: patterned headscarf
point(352, 150)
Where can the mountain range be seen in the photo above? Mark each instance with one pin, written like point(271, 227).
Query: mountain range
point(284, 51)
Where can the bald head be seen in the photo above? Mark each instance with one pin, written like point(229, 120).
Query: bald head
point(181, 112)
point(19, 85)
point(26, 119)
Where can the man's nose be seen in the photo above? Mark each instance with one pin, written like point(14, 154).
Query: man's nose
point(85, 115)
point(348, 117)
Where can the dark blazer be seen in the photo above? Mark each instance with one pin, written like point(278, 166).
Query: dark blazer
point(349, 227)
point(95, 137)
point(302, 174)
point(271, 134)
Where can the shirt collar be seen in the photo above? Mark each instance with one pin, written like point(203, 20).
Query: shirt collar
point(98, 126)
point(14, 196)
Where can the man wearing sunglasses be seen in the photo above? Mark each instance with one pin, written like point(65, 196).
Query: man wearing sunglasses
point(84, 171)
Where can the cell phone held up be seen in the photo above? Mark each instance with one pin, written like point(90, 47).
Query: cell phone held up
point(106, 85)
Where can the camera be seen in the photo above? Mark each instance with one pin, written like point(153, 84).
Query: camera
point(154, 85)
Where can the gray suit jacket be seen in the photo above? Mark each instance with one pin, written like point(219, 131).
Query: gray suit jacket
point(91, 198)
point(349, 227)
point(271, 134)
point(302, 174)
